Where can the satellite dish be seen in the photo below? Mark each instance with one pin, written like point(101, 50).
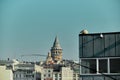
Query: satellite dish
point(84, 32)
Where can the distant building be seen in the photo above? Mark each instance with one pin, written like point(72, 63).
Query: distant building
point(47, 73)
point(67, 73)
point(24, 72)
point(5, 73)
point(63, 73)
point(55, 54)
point(27, 71)
point(56, 51)
point(99, 55)
point(53, 68)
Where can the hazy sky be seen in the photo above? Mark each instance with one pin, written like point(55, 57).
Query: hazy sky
point(30, 26)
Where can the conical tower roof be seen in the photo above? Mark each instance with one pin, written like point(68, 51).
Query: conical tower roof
point(56, 44)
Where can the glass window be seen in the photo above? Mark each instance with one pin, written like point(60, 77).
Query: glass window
point(55, 75)
point(33, 76)
point(59, 75)
point(16, 76)
point(44, 75)
point(115, 65)
point(103, 66)
point(88, 66)
point(56, 79)
point(49, 71)
point(20, 75)
point(74, 75)
point(49, 75)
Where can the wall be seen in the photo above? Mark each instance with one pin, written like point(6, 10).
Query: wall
point(5, 74)
point(92, 45)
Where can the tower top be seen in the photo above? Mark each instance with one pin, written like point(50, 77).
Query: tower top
point(56, 44)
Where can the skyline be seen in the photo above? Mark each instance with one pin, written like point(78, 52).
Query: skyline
point(30, 27)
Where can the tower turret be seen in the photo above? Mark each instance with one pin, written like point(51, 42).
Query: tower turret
point(49, 59)
point(56, 50)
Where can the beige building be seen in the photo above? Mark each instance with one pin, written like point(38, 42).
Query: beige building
point(64, 73)
point(67, 73)
point(27, 71)
point(5, 73)
point(47, 74)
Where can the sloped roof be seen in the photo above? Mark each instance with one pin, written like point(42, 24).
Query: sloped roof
point(56, 44)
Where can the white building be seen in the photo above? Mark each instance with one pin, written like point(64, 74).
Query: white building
point(57, 76)
point(67, 73)
point(47, 74)
point(27, 71)
point(5, 73)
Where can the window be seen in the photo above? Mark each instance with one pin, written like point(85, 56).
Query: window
point(49, 71)
point(59, 75)
point(103, 66)
point(49, 75)
point(16, 75)
point(115, 65)
point(33, 76)
point(55, 75)
point(74, 75)
point(20, 75)
point(56, 79)
point(88, 66)
point(29, 71)
point(44, 75)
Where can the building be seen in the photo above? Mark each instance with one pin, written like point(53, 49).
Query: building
point(56, 51)
point(6, 73)
point(47, 73)
point(53, 68)
point(62, 73)
point(67, 73)
point(27, 71)
point(24, 71)
point(99, 55)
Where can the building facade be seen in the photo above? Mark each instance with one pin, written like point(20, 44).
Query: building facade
point(5, 73)
point(99, 55)
point(24, 72)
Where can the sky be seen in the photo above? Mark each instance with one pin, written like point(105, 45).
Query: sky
point(30, 26)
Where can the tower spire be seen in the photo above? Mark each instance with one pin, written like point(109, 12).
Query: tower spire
point(56, 50)
point(56, 44)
